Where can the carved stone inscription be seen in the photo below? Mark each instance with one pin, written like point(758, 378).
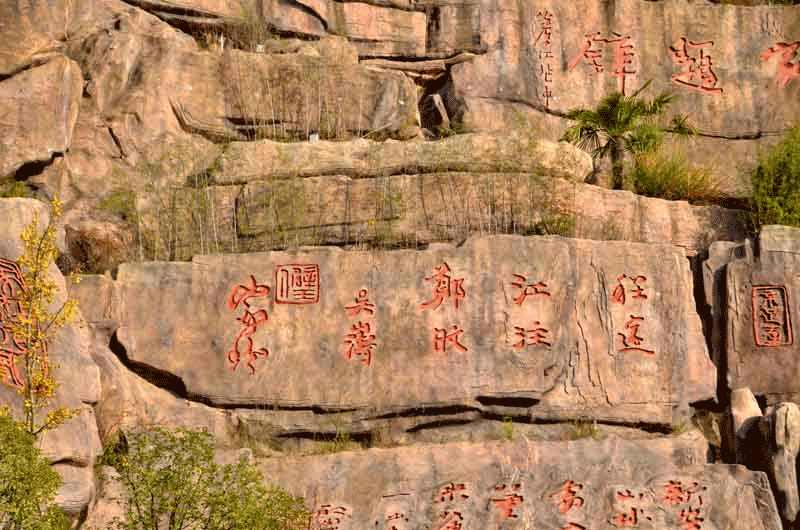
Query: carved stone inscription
point(495, 316)
point(541, 485)
point(772, 321)
point(12, 285)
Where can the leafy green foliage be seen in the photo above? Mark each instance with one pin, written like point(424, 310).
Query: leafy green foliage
point(27, 482)
point(620, 124)
point(776, 184)
point(173, 483)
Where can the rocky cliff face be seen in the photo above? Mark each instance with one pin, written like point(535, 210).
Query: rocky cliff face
point(349, 228)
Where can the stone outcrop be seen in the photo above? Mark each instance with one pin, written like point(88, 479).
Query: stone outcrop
point(658, 484)
point(39, 108)
point(578, 327)
point(74, 445)
point(759, 314)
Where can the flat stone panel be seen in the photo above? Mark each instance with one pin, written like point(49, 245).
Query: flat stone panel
point(550, 485)
point(589, 329)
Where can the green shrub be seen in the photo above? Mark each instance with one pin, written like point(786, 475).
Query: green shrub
point(776, 184)
point(670, 175)
point(172, 483)
point(14, 188)
point(121, 203)
point(27, 482)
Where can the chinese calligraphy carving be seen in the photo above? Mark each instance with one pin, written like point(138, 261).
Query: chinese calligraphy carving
point(243, 344)
point(630, 508)
point(631, 341)
point(623, 50)
point(329, 517)
point(442, 339)
point(451, 495)
point(451, 492)
point(772, 322)
point(528, 289)
point(619, 295)
point(360, 340)
point(544, 43)
point(696, 72)
point(297, 284)
point(567, 497)
point(787, 53)
point(12, 285)
point(362, 304)
point(531, 337)
point(675, 492)
point(444, 288)
point(506, 498)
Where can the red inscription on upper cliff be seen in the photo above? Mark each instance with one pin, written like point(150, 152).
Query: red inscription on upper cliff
point(696, 71)
point(788, 62)
point(623, 53)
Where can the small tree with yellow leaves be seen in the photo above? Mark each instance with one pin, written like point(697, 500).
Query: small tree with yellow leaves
point(37, 323)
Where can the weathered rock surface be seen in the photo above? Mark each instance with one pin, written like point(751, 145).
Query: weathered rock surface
point(586, 342)
point(584, 484)
point(39, 109)
point(546, 57)
point(780, 429)
point(760, 316)
point(74, 445)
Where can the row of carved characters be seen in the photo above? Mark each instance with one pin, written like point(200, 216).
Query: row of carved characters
point(299, 284)
point(571, 505)
point(693, 59)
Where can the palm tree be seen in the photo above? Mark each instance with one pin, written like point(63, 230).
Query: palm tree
point(622, 124)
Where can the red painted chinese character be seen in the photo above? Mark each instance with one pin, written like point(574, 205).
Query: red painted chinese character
point(362, 304)
point(12, 287)
point(631, 341)
point(619, 295)
point(360, 342)
point(507, 500)
point(451, 520)
point(243, 345)
point(329, 517)
point(531, 337)
point(675, 492)
point(690, 519)
point(573, 526)
point(627, 519)
point(297, 284)
point(400, 517)
point(451, 492)
point(444, 288)
point(567, 497)
point(788, 52)
point(545, 19)
point(697, 72)
point(442, 339)
point(528, 289)
point(623, 56)
point(589, 54)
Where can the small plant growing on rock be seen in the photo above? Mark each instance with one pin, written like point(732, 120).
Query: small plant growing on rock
point(622, 124)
